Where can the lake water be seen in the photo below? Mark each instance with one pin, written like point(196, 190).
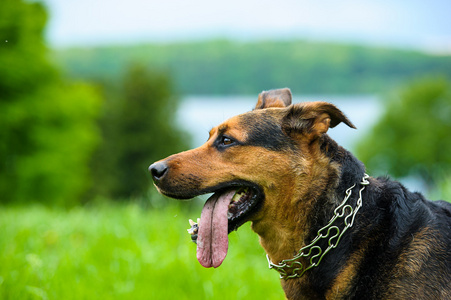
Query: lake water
point(198, 114)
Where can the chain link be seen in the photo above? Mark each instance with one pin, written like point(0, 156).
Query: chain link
point(313, 251)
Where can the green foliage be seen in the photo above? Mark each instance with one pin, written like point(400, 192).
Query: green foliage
point(47, 139)
point(139, 127)
point(47, 126)
point(413, 135)
point(226, 67)
point(122, 252)
point(23, 63)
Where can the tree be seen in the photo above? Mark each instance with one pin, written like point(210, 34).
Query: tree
point(413, 136)
point(47, 125)
point(139, 127)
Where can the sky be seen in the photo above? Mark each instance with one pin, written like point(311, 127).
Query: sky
point(418, 24)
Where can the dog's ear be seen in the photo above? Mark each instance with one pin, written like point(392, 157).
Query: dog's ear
point(274, 98)
point(313, 119)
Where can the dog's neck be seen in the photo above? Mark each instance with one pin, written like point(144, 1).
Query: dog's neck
point(311, 255)
point(315, 208)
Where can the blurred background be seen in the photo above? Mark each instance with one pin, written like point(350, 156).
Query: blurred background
point(92, 92)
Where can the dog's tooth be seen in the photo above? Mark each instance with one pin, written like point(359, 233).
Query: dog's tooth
point(236, 197)
point(194, 230)
point(194, 227)
point(238, 194)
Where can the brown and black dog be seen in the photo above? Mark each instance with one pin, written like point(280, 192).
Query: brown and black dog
point(331, 231)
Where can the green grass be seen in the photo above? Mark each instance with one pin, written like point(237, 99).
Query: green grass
point(122, 252)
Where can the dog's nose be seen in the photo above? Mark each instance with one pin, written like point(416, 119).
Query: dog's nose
point(158, 170)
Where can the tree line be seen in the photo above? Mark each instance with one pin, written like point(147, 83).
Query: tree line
point(233, 67)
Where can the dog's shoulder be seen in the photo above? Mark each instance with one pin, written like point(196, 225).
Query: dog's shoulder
point(413, 244)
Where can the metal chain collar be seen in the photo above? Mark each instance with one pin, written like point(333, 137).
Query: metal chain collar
point(314, 252)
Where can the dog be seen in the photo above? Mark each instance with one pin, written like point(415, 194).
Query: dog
point(330, 230)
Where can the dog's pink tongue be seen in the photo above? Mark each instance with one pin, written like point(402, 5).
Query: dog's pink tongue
point(212, 239)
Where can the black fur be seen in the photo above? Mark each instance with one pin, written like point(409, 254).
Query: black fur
point(384, 229)
point(266, 133)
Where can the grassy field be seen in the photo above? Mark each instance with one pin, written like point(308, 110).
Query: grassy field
point(122, 252)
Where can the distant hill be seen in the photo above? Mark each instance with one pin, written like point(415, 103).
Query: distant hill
point(230, 67)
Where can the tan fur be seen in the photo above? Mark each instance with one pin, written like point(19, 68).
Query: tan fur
point(412, 264)
point(343, 281)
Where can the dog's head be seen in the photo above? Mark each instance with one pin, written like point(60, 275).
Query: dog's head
point(258, 165)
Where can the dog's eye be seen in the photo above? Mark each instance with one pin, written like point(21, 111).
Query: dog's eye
point(226, 141)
